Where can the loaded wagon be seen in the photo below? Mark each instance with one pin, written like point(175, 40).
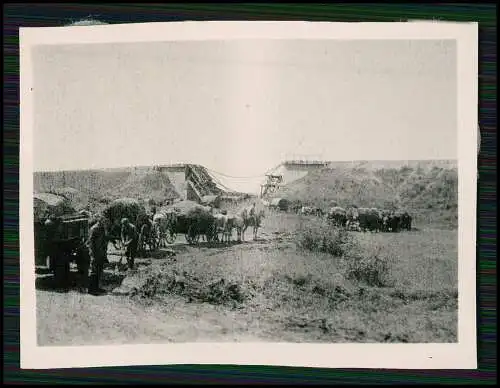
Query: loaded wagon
point(193, 220)
point(163, 227)
point(61, 231)
point(135, 212)
point(279, 204)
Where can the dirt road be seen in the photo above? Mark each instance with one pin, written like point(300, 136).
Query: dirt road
point(73, 318)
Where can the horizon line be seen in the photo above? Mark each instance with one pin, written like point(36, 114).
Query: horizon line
point(122, 167)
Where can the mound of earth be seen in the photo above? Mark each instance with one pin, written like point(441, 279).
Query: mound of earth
point(94, 183)
point(98, 187)
point(147, 184)
point(161, 279)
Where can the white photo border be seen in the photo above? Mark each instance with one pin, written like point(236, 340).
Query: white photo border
point(461, 355)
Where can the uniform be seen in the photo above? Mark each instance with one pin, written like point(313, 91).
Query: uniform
point(98, 250)
point(51, 227)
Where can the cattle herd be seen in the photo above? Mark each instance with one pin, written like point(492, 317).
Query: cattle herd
point(362, 219)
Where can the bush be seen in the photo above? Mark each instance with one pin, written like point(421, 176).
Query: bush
point(372, 269)
point(327, 239)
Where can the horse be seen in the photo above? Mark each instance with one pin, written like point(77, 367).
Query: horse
point(238, 223)
point(253, 220)
point(223, 224)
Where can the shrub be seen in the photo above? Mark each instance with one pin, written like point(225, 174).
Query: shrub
point(372, 269)
point(323, 238)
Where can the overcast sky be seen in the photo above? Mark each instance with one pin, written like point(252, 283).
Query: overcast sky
point(241, 107)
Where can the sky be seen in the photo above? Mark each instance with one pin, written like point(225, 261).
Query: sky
point(241, 107)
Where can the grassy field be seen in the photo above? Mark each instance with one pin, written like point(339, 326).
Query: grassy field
point(273, 289)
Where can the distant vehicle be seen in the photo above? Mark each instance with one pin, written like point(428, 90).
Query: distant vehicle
point(72, 234)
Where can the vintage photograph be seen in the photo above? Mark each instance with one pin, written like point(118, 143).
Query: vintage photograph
point(253, 190)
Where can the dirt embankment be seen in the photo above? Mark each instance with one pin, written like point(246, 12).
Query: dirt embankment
point(427, 190)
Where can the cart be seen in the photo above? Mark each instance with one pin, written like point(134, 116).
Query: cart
point(69, 245)
point(193, 225)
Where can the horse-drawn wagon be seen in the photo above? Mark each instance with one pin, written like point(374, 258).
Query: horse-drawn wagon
point(136, 213)
point(164, 227)
point(194, 221)
point(60, 234)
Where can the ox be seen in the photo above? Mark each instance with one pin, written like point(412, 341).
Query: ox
point(337, 216)
point(406, 220)
point(306, 210)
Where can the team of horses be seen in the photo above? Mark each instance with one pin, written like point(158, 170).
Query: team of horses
point(219, 225)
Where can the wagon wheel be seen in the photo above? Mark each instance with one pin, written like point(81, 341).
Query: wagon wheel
point(154, 241)
point(170, 236)
point(192, 236)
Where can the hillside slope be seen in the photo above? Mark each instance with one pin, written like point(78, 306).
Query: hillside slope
point(100, 186)
point(429, 191)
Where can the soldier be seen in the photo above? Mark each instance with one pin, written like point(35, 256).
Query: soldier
point(252, 210)
point(98, 250)
point(129, 238)
point(51, 234)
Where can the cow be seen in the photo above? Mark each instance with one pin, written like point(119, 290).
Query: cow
point(384, 220)
point(394, 222)
point(306, 210)
point(337, 216)
point(318, 212)
point(369, 220)
point(406, 220)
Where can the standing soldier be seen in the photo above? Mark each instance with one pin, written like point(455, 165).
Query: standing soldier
point(57, 252)
point(52, 226)
point(129, 238)
point(98, 250)
point(153, 211)
point(252, 210)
